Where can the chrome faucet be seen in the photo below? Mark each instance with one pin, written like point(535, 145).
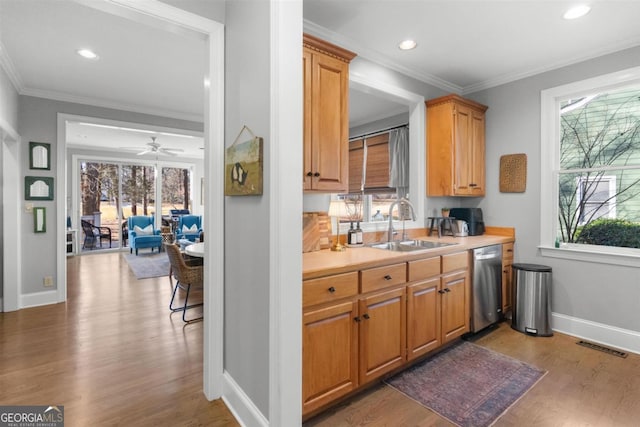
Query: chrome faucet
point(401, 215)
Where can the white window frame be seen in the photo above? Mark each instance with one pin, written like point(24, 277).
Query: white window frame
point(550, 100)
point(611, 197)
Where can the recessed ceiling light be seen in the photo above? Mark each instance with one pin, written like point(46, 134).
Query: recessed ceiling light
point(407, 44)
point(87, 53)
point(576, 12)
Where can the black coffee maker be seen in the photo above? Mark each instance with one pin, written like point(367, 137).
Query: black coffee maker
point(473, 216)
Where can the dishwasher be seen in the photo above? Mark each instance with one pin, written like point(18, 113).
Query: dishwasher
point(486, 287)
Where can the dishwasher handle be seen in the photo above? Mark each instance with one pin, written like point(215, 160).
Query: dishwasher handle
point(487, 256)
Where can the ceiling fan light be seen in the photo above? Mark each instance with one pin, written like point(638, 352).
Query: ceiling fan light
point(407, 44)
point(87, 53)
point(577, 12)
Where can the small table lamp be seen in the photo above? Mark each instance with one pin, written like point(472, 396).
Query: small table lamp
point(337, 209)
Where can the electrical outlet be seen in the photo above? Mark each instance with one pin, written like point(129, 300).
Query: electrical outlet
point(48, 281)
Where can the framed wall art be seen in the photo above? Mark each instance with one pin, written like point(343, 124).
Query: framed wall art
point(40, 220)
point(243, 166)
point(39, 156)
point(38, 188)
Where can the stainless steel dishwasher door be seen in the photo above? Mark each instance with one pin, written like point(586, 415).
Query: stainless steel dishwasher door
point(486, 286)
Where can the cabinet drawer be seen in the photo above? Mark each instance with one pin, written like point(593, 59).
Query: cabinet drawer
point(424, 268)
point(383, 277)
point(330, 288)
point(507, 251)
point(455, 262)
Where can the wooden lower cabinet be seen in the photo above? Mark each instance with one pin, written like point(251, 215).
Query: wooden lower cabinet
point(423, 317)
point(382, 333)
point(329, 354)
point(455, 305)
point(358, 338)
point(507, 287)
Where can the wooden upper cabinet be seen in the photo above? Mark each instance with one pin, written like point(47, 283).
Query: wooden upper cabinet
point(455, 147)
point(326, 116)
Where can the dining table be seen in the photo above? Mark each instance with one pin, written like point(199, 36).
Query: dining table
point(196, 250)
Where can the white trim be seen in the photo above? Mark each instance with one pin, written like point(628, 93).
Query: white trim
point(11, 223)
point(7, 65)
point(622, 339)
point(172, 19)
point(37, 299)
point(550, 157)
point(417, 136)
point(591, 253)
point(240, 405)
point(285, 215)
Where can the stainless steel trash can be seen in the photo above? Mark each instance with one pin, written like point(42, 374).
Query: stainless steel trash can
point(531, 302)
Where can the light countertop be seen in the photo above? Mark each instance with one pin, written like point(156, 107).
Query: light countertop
point(326, 262)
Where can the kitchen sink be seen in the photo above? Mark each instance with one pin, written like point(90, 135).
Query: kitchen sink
point(409, 245)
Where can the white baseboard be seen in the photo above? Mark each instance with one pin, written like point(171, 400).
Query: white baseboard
point(240, 405)
point(38, 298)
point(622, 339)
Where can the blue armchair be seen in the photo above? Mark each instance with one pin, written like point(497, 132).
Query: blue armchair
point(142, 234)
point(189, 227)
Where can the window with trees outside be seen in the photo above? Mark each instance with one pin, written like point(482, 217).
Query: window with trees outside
point(595, 144)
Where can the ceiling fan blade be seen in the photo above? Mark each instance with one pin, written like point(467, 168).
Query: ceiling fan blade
point(147, 151)
point(166, 152)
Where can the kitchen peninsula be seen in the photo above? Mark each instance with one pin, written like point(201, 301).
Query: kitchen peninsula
point(368, 312)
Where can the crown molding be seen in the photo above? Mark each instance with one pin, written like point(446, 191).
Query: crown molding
point(96, 102)
point(7, 65)
point(375, 57)
point(512, 77)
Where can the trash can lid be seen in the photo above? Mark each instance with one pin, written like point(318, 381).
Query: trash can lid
point(532, 267)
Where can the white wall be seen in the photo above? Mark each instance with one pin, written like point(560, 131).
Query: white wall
point(38, 122)
point(605, 294)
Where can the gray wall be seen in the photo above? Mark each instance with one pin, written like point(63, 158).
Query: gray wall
point(8, 117)
point(597, 292)
point(247, 233)
point(38, 122)
point(212, 9)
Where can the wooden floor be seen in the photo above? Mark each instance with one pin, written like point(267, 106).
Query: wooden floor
point(583, 387)
point(112, 355)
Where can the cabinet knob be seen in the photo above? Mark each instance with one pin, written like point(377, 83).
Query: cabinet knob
point(473, 185)
point(366, 316)
point(309, 173)
point(441, 291)
point(317, 174)
point(505, 271)
point(357, 319)
point(387, 277)
point(447, 290)
point(332, 289)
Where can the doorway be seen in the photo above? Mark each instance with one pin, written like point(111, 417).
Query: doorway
point(213, 33)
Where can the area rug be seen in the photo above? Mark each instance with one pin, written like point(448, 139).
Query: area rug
point(469, 385)
point(148, 264)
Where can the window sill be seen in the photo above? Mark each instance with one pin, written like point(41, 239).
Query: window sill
point(594, 254)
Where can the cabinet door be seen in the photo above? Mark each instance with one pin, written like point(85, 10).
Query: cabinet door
point(462, 150)
point(477, 175)
point(329, 354)
point(506, 286)
point(329, 124)
point(306, 73)
point(382, 333)
point(455, 306)
point(423, 317)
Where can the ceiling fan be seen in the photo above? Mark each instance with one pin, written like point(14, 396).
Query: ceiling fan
point(154, 147)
